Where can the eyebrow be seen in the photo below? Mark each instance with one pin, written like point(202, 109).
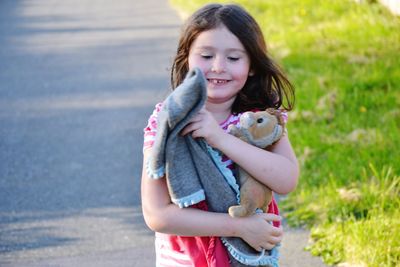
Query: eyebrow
point(206, 47)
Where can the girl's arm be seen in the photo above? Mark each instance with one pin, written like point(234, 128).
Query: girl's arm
point(163, 216)
point(277, 168)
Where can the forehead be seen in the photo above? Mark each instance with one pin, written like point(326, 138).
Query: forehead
point(218, 38)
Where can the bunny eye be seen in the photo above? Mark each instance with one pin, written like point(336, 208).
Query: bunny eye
point(260, 120)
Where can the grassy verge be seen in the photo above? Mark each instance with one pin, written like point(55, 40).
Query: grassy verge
point(343, 58)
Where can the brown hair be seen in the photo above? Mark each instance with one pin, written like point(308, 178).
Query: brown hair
point(267, 87)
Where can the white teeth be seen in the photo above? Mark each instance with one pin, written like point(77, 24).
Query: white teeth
point(215, 81)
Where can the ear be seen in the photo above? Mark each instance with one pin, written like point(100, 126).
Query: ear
point(271, 111)
point(251, 73)
point(277, 113)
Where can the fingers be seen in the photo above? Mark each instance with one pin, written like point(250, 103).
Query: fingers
point(275, 239)
point(204, 125)
point(275, 234)
point(271, 217)
point(188, 129)
point(267, 236)
point(277, 231)
point(195, 123)
point(192, 125)
point(260, 248)
point(267, 246)
point(270, 243)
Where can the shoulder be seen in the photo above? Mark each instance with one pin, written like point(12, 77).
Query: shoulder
point(157, 109)
point(152, 121)
point(233, 119)
point(151, 127)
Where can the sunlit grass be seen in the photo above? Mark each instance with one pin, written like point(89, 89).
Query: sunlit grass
point(358, 223)
point(368, 242)
point(373, 193)
point(343, 58)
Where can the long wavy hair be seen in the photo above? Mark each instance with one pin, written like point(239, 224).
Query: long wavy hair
point(268, 87)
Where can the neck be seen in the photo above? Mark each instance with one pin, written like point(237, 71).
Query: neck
point(220, 111)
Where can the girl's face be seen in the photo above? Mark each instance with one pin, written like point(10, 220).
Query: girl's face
point(224, 62)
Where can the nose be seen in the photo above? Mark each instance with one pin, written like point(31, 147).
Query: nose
point(218, 65)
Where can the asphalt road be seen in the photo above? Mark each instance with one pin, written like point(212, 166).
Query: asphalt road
point(78, 79)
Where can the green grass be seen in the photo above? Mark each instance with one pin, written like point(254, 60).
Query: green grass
point(357, 223)
point(343, 59)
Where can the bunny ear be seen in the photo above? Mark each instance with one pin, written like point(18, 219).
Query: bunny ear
point(271, 111)
point(277, 113)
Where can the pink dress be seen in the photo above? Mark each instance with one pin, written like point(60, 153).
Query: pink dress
point(180, 251)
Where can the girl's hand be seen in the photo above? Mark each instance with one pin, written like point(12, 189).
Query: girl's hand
point(259, 233)
point(204, 125)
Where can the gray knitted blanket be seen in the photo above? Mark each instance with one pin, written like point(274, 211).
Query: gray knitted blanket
point(194, 170)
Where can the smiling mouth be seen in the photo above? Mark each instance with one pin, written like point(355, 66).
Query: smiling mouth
point(217, 81)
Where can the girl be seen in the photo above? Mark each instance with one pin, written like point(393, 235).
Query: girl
point(226, 43)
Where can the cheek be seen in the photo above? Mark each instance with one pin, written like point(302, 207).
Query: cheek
point(195, 62)
point(241, 71)
point(241, 74)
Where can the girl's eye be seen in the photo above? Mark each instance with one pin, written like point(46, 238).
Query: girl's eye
point(233, 58)
point(206, 56)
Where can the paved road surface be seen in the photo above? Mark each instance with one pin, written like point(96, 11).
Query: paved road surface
point(78, 79)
